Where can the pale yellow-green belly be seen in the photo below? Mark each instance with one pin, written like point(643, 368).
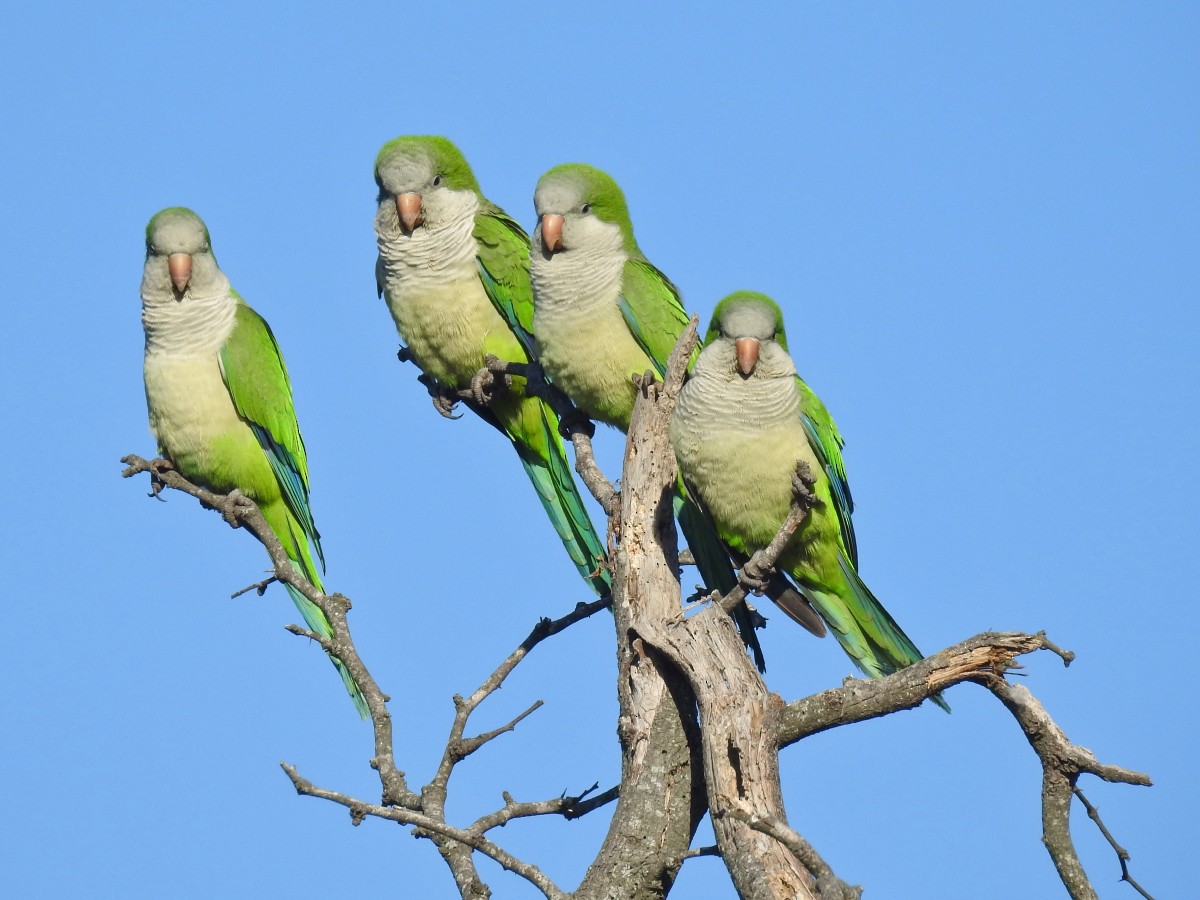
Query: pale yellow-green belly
point(745, 480)
point(593, 365)
point(450, 328)
point(194, 420)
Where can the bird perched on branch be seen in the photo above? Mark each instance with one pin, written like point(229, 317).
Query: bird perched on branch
point(219, 397)
point(603, 314)
point(742, 423)
point(454, 269)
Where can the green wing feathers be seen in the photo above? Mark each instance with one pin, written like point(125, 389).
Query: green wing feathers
point(826, 442)
point(503, 258)
point(866, 631)
point(653, 311)
point(255, 374)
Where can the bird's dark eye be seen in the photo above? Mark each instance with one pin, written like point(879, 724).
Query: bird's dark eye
point(586, 208)
point(437, 180)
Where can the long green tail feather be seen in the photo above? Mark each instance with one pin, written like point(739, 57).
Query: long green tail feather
point(298, 552)
point(554, 481)
point(866, 631)
point(318, 624)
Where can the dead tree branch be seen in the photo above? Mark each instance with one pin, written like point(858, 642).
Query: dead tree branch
point(740, 763)
point(1122, 853)
point(424, 810)
point(1062, 764)
point(829, 886)
point(465, 837)
point(239, 511)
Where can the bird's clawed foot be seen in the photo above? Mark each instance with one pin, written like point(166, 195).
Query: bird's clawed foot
point(754, 576)
point(404, 354)
point(444, 399)
point(231, 507)
point(158, 466)
point(648, 383)
point(572, 420)
point(802, 484)
point(487, 383)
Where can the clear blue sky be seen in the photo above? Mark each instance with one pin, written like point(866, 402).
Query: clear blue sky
point(981, 221)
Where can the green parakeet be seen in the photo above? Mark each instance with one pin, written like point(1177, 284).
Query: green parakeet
point(742, 422)
point(602, 314)
point(219, 397)
point(454, 268)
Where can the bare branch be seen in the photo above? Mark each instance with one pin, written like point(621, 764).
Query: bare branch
point(983, 659)
point(1062, 764)
point(582, 807)
point(1122, 853)
point(456, 746)
point(259, 587)
point(829, 886)
point(599, 486)
point(513, 810)
point(859, 699)
point(696, 853)
point(425, 823)
point(457, 855)
point(467, 746)
point(239, 511)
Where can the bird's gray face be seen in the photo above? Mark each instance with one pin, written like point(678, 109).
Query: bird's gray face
point(565, 218)
point(751, 328)
point(412, 194)
point(176, 250)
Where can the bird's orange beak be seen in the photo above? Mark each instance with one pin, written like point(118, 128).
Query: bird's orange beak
point(180, 267)
point(747, 354)
point(552, 225)
point(408, 205)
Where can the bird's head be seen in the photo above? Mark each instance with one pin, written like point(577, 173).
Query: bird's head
point(422, 181)
point(177, 249)
point(578, 206)
point(753, 324)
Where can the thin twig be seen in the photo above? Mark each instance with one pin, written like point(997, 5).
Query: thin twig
point(467, 746)
point(468, 837)
point(1062, 764)
point(1122, 853)
point(238, 511)
point(514, 810)
point(457, 747)
point(582, 807)
point(259, 587)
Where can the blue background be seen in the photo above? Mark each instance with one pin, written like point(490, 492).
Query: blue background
point(981, 221)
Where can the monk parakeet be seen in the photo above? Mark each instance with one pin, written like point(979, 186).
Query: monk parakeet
point(454, 268)
point(742, 423)
point(602, 314)
point(219, 398)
